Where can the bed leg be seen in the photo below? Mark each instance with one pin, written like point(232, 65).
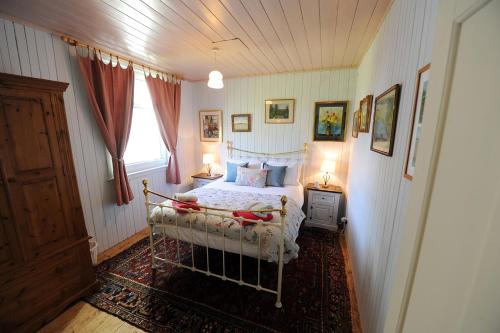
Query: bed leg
point(280, 279)
point(151, 245)
point(281, 250)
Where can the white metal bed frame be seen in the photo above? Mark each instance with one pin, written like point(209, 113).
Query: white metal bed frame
point(159, 228)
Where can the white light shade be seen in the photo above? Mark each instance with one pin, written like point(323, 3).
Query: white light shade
point(215, 80)
point(328, 166)
point(208, 158)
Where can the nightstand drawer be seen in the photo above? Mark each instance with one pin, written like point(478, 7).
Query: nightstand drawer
point(323, 198)
point(321, 213)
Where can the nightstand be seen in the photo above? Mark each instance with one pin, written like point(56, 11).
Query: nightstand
point(202, 179)
point(323, 206)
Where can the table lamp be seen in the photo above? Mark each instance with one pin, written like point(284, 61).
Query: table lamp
point(328, 168)
point(208, 159)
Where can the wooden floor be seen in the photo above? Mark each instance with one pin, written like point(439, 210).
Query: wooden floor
point(83, 317)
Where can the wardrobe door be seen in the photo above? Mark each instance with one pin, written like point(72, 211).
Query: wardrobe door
point(34, 173)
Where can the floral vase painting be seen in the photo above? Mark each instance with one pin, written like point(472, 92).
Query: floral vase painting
point(329, 121)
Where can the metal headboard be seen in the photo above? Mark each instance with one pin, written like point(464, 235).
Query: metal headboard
point(302, 153)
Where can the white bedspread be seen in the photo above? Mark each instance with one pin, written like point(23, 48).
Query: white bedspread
point(220, 195)
point(294, 192)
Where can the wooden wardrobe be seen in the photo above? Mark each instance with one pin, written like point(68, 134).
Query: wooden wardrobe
point(44, 253)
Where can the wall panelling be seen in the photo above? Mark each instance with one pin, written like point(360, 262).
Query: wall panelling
point(377, 192)
point(247, 95)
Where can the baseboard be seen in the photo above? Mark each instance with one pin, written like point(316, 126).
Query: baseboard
point(355, 317)
point(123, 245)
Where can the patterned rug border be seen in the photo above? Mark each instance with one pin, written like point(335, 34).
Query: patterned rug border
point(179, 299)
point(171, 296)
point(201, 308)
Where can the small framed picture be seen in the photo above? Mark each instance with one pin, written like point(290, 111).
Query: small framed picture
point(365, 108)
point(279, 111)
point(385, 118)
point(211, 125)
point(241, 122)
point(329, 121)
point(418, 114)
point(355, 124)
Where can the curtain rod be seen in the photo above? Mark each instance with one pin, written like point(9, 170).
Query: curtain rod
point(74, 42)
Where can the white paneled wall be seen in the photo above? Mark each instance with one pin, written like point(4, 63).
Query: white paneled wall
point(30, 52)
point(378, 192)
point(247, 95)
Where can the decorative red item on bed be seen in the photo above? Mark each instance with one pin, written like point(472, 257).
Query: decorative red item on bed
point(185, 205)
point(252, 216)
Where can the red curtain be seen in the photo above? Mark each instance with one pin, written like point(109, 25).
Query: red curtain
point(111, 94)
point(166, 99)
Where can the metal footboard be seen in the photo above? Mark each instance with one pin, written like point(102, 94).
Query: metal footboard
point(218, 213)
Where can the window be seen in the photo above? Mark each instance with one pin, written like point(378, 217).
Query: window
point(145, 147)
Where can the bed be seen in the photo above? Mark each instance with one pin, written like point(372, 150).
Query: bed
point(213, 224)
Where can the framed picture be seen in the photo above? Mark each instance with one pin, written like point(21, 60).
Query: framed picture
point(241, 122)
point(365, 108)
point(355, 124)
point(418, 114)
point(385, 118)
point(329, 121)
point(211, 125)
point(280, 111)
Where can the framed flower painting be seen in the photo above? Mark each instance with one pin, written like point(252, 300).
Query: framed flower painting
point(329, 121)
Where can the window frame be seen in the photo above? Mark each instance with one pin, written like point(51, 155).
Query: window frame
point(143, 166)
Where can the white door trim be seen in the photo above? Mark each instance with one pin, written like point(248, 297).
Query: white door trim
point(451, 16)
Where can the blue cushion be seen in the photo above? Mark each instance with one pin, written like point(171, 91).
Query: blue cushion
point(275, 174)
point(231, 170)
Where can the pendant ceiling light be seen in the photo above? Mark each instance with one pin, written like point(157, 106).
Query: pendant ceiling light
point(215, 77)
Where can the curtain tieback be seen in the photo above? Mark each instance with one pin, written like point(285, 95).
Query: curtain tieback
point(117, 159)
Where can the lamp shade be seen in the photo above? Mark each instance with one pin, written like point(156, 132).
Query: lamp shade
point(215, 80)
point(328, 166)
point(208, 158)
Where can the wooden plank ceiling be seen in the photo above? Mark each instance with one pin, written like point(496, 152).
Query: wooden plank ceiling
point(177, 36)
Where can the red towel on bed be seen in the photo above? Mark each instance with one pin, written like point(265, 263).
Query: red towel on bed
point(179, 205)
point(252, 216)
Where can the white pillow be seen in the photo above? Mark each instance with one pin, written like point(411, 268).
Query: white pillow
point(252, 164)
point(293, 171)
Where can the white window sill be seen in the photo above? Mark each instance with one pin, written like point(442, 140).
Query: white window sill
point(136, 174)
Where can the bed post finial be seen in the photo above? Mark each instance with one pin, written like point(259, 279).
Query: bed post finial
point(283, 200)
point(145, 183)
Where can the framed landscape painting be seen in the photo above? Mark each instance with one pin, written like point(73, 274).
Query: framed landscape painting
point(329, 121)
point(279, 111)
point(418, 114)
point(241, 122)
point(355, 124)
point(365, 109)
point(384, 120)
point(211, 125)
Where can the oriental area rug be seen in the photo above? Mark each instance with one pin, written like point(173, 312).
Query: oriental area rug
point(315, 291)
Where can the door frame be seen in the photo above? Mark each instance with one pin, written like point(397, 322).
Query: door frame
point(451, 15)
